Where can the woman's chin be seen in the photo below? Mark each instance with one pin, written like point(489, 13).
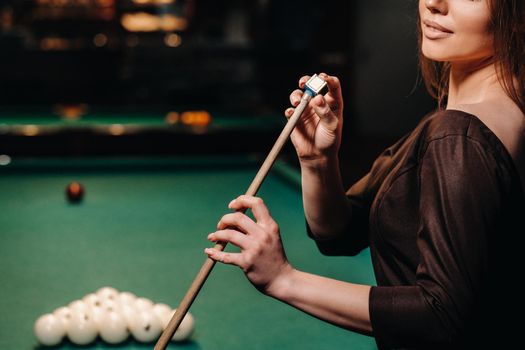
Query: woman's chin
point(435, 54)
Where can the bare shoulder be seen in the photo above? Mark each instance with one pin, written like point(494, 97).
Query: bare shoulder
point(507, 122)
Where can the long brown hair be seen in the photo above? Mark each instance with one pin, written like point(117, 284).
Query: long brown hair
point(508, 27)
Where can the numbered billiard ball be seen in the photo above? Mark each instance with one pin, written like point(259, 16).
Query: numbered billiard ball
point(82, 329)
point(145, 326)
point(74, 192)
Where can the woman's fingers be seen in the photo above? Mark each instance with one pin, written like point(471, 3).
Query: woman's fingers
point(224, 257)
point(325, 113)
point(334, 86)
point(230, 236)
point(256, 205)
point(238, 220)
point(295, 97)
point(289, 112)
point(303, 80)
point(262, 256)
point(334, 98)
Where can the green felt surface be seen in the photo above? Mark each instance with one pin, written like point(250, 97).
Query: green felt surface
point(142, 228)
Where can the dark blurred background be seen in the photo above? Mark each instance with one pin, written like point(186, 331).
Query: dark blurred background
point(228, 57)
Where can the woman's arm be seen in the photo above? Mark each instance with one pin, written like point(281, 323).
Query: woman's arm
point(326, 207)
point(264, 262)
point(340, 303)
point(317, 139)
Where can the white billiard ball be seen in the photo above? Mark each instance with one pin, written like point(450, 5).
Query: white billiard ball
point(126, 298)
point(143, 304)
point(185, 329)
point(82, 329)
point(64, 314)
point(111, 305)
point(78, 306)
point(92, 300)
point(145, 326)
point(107, 293)
point(129, 312)
point(98, 314)
point(162, 311)
point(49, 330)
point(113, 328)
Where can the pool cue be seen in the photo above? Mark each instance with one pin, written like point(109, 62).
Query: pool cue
point(313, 87)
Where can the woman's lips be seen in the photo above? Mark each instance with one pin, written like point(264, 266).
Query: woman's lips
point(433, 30)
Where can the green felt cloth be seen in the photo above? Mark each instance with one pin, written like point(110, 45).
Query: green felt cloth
point(142, 228)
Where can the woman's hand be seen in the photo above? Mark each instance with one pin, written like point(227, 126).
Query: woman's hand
point(262, 257)
point(263, 261)
point(317, 135)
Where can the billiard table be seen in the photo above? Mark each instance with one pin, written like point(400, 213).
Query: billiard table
point(142, 227)
point(42, 132)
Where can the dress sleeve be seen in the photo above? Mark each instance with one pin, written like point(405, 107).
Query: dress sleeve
point(461, 198)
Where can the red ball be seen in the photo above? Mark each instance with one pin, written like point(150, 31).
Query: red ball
point(74, 192)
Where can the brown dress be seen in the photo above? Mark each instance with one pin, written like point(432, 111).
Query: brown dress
point(442, 211)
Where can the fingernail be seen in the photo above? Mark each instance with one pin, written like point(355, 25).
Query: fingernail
point(231, 204)
point(207, 250)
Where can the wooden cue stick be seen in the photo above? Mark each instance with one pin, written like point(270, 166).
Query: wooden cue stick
point(206, 268)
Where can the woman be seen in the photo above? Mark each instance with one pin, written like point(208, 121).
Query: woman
point(439, 209)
